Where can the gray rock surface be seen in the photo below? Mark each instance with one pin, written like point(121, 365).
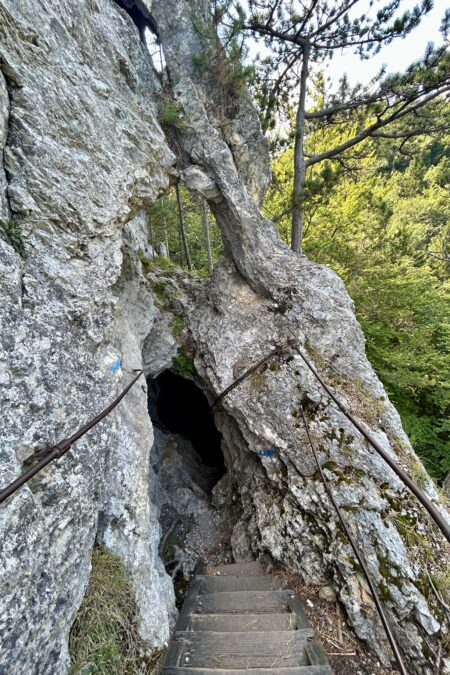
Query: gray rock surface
point(192, 528)
point(284, 510)
point(263, 297)
point(4, 118)
point(446, 485)
point(83, 155)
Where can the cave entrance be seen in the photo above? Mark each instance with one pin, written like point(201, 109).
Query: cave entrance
point(177, 405)
point(187, 463)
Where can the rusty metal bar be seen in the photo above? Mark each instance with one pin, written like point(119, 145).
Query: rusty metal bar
point(361, 561)
point(60, 449)
point(250, 371)
point(404, 477)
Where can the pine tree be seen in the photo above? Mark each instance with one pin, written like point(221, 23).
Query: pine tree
point(303, 35)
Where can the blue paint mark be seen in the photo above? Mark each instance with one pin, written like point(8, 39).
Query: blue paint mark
point(116, 366)
point(266, 453)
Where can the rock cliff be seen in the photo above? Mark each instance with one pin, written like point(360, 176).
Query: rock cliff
point(83, 155)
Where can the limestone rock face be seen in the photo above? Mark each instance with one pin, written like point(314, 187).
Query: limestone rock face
point(265, 296)
point(4, 117)
point(191, 527)
point(83, 153)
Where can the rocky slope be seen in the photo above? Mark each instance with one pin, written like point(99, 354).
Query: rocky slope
point(83, 155)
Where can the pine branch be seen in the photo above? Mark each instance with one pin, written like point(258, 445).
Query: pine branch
point(401, 112)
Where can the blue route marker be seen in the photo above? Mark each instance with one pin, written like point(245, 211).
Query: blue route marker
point(266, 453)
point(114, 367)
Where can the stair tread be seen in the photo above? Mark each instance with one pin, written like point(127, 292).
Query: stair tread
point(217, 584)
point(293, 670)
point(244, 622)
point(251, 568)
point(272, 636)
point(242, 649)
point(247, 602)
point(235, 620)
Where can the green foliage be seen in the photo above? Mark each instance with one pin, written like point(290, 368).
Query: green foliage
point(200, 61)
point(177, 326)
point(159, 287)
point(104, 638)
point(165, 228)
point(183, 364)
point(170, 113)
point(156, 263)
point(223, 63)
point(386, 230)
point(14, 236)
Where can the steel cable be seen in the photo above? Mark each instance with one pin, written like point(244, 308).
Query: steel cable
point(404, 477)
point(60, 449)
point(361, 561)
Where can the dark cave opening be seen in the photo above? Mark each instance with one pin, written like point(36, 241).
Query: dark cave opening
point(139, 16)
point(176, 404)
point(187, 466)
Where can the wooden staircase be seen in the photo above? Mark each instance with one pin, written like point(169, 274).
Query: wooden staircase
point(235, 620)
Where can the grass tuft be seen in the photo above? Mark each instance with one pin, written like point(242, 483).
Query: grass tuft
point(104, 638)
point(14, 237)
point(177, 326)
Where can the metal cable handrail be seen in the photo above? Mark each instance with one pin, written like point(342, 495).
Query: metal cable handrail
point(380, 609)
point(401, 473)
point(60, 449)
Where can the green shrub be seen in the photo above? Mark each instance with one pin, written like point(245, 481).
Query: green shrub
point(170, 113)
point(183, 364)
point(177, 325)
point(104, 638)
point(13, 236)
point(200, 61)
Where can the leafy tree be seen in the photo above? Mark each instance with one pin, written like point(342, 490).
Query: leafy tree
point(302, 35)
point(377, 227)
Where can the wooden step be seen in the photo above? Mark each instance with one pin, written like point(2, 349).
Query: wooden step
point(246, 569)
point(243, 622)
point(250, 602)
point(216, 584)
point(241, 650)
point(296, 670)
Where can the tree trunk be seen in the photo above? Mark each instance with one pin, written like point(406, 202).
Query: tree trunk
point(299, 159)
point(182, 229)
point(166, 239)
point(207, 237)
point(152, 241)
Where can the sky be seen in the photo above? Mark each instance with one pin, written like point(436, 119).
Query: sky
point(396, 56)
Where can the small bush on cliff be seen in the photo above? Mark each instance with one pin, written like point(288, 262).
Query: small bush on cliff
point(14, 236)
point(170, 113)
point(183, 364)
point(104, 638)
